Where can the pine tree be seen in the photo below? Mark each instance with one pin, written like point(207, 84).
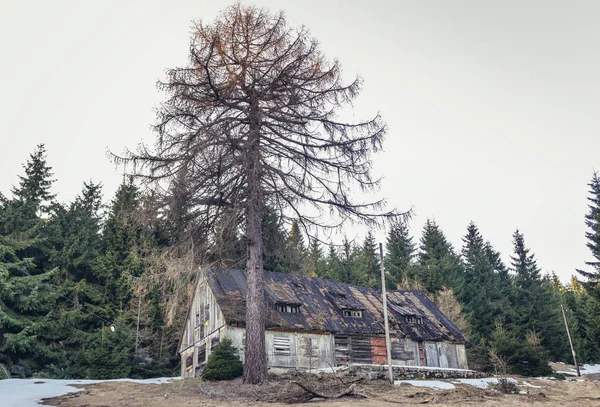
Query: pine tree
point(438, 265)
point(296, 250)
point(537, 308)
point(479, 291)
point(315, 260)
point(591, 280)
point(28, 335)
point(400, 253)
point(369, 266)
point(333, 265)
point(348, 257)
point(123, 237)
point(274, 242)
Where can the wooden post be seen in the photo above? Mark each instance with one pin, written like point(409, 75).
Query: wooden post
point(570, 340)
point(388, 342)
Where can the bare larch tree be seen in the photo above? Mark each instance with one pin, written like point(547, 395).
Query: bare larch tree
point(251, 121)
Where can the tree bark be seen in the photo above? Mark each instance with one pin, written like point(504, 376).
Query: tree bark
point(255, 363)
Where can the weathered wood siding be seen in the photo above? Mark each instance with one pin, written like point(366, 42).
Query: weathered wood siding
point(289, 349)
point(204, 328)
point(446, 355)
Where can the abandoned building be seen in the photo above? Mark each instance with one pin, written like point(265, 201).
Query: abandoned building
point(312, 323)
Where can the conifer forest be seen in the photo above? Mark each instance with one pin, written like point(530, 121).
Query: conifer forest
point(80, 297)
point(97, 287)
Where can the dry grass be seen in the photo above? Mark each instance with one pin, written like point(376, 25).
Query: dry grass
point(279, 393)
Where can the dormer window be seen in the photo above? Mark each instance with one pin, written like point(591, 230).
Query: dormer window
point(353, 313)
point(289, 308)
point(411, 319)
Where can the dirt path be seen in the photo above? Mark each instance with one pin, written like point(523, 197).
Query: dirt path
point(195, 393)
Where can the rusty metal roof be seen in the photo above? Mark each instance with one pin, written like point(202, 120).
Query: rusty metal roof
point(321, 304)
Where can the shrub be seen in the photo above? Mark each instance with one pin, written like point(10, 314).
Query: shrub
point(506, 386)
point(223, 363)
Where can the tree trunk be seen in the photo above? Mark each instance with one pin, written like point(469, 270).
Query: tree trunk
point(255, 363)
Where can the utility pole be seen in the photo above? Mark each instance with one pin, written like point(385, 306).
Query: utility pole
point(570, 340)
point(388, 342)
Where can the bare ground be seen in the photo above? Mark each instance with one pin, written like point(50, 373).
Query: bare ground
point(193, 392)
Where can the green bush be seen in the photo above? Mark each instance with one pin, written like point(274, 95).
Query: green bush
point(223, 363)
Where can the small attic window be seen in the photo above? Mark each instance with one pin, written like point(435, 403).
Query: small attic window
point(289, 308)
point(410, 319)
point(353, 313)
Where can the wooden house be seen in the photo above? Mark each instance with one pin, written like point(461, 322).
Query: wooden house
point(312, 323)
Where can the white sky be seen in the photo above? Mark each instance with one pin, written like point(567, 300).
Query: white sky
point(492, 106)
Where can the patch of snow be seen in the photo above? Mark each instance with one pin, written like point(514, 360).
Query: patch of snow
point(29, 392)
point(530, 385)
point(590, 369)
point(432, 384)
point(483, 383)
point(546, 378)
point(572, 372)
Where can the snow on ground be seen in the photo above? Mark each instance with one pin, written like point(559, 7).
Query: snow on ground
point(432, 384)
point(585, 369)
point(29, 392)
point(524, 383)
point(483, 383)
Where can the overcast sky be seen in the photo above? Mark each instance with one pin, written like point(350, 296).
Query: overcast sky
point(492, 106)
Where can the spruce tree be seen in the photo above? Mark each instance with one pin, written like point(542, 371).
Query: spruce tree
point(477, 291)
point(400, 253)
point(28, 331)
point(437, 263)
point(369, 265)
point(591, 277)
point(315, 265)
point(537, 307)
point(296, 249)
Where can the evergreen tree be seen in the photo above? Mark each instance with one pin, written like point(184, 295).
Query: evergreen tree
point(400, 252)
point(479, 291)
point(348, 257)
point(369, 266)
point(537, 307)
point(591, 280)
point(296, 250)
point(333, 265)
point(438, 264)
point(315, 265)
point(274, 242)
point(28, 332)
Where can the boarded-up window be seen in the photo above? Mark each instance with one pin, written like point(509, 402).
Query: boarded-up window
point(281, 345)
point(361, 351)
point(353, 349)
point(342, 350)
point(189, 362)
point(202, 355)
point(399, 351)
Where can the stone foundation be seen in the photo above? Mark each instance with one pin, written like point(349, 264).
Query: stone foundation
point(374, 372)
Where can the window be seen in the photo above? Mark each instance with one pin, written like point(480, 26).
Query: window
point(291, 308)
point(353, 313)
point(197, 319)
point(281, 345)
point(410, 319)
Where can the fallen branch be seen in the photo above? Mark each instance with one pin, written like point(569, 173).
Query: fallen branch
point(315, 393)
